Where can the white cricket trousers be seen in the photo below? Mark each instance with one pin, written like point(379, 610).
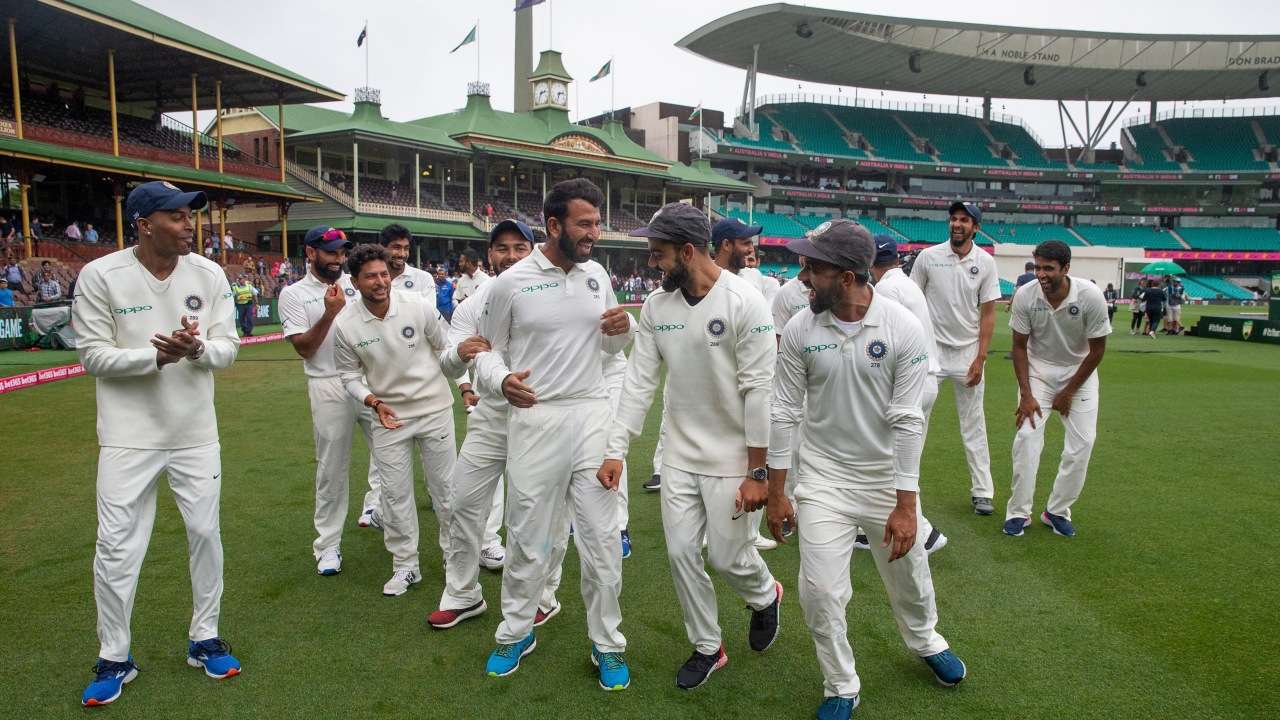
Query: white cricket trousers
point(334, 415)
point(925, 528)
point(694, 504)
point(955, 363)
point(828, 517)
point(624, 499)
point(553, 453)
point(1080, 425)
point(127, 479)
point(432, 436)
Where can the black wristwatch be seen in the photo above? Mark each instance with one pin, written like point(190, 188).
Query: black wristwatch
point(760, 474)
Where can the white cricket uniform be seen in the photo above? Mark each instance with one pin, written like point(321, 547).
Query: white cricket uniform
point(468, 285)
point(334, 413)
point(955, 287)
point(857, 389)
point(791, 299)
point(540, 318)
point(412, 280)
point(615, 372)
point(153, 421)
point(397, 359)
point(1058, 342)
point(719, 355)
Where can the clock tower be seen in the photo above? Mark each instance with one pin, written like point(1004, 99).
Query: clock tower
point(549, 83)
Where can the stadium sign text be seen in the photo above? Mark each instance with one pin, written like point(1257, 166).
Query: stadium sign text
point(10, 328)
point(1254, 61)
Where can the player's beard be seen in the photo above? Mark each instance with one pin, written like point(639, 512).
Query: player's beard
point(569, 248)
point(327, 275)
point(677, 277)
point(958, 239)
point(737, 261)
point(823, 300)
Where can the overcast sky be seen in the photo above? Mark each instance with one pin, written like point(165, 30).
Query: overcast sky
point(410, 40)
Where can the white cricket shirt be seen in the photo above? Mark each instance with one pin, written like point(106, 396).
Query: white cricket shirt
point(767, 286)
point(301, 306)
point(119, 305)
point(896, 286)
point(954, 287)
point(467, 286)
point(1059, 337)
point(537, 317)
point(858, 395)
point(413, 280)
point(719, 356)
point(396, 358)
point(791, 299)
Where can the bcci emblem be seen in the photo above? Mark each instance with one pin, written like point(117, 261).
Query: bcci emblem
point(876, 350)
point(593, 284)
point(820, 229)
point(408, 284)
point(973, 270)
point(716, 327)
point(351, 292)
point(193, 303)
point(1074, 309)
point(407, 332)
point(1246, 329)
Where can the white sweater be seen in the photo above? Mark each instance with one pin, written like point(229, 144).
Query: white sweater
point(119, 305)
point(719, 356)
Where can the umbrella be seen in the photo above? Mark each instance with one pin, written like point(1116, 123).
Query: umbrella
point(1162, 267)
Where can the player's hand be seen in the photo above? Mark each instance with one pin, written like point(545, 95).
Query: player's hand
point(974, 376)
point(470, 398)
point(471, 347)
point(615, 321)
point(516, 392)
point(387, 417)
point(1062, 402)
point(176, 346)
point(1028, 410)
point(334, 300)
point(190, 327)
point(610, 473)
point(779, 514)
point(753, 495)
point(900, 531)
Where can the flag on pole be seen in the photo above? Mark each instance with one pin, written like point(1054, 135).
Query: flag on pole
point(696, 114)
point(604, 72)
point(470, 38)
point(522, 4)
point(364, 33)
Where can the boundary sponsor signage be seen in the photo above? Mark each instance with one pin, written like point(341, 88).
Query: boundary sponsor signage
point(1251, 329)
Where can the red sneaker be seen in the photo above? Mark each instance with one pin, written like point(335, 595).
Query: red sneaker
point(445, 619)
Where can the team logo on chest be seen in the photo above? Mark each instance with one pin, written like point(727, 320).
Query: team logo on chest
point(407, 332)
point(876, 351)
point(1074, 310)
point(593, 284)
point(194, 303)
point(716, 327)
point(351, 292)
point(973, 269)
point(408, 284)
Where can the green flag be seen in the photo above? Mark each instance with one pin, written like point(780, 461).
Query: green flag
point(604, 71)
point(470, 38)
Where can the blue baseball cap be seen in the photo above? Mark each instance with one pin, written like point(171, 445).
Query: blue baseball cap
point(733, 229)
point(510, 224)
point(970, 209)
point(886, 249)
point(160, 195)
point(327, 238)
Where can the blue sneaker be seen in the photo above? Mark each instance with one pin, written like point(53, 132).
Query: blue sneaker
point(214, 655)
point(626, 544)
point(946, 667)
point(108, 682)
point(505, 659)
point(1061, 525)
point(1013, 527)
point(838, 708)
point(614, 673)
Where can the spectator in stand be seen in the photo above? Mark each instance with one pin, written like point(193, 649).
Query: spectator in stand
point(6, 295)
point(73, 232)
point(228, 242)
point(49, 290)
point(286, 268)
point(212, 242)
point(13, 274)
point(8, 230)
point(444, 294)
point(488, 211)
point(1136, 306)
point(1176, 294)
point(1154, 299)
point(262, 267)
point(37, 229)
point(90, 235)
point(1110, 295)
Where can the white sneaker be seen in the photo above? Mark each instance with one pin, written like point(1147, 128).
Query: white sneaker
point(492, 557)
point(765, 543)
point(400, 582)
point(330, 562)
point(369, 518)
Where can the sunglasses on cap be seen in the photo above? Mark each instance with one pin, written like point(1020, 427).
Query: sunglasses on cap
point(333, 234)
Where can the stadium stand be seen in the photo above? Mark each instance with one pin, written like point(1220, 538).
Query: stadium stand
point(885, 136)
point(814, 130)
point(927, 231)
point(775, 224)
point(1151, 148)
point(1226, 143)
point(1236, 238)
point(1126, 236)
point(1007, 287)
point(957, 138)
point(1211, 287)
point(1027, 151)
point(1028, 233)
point(767, 140)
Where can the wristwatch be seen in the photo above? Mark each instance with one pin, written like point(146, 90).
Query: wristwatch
point(760, 474)
point(198, 352)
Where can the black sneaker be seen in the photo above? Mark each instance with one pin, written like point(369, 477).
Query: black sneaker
point(699, 667)
point(936, 542)
point(654, 484)
point(764, 624)
point(861, 542)
point(982, 506)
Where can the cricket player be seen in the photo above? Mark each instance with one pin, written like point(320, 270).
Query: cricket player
point(548, 319)
point(154, 321)
point(961, 287)
point(387, 350)
point(398, 241)
point(714, 334)
point(1060, 328)
point(471, 277)
point(307, 311)
point(854, 367)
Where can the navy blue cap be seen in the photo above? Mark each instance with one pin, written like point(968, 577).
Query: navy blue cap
point(327, 238)
point(886, 249)
point(733, 229)
point(970, 209)
point(160, 195)
point(510, 224)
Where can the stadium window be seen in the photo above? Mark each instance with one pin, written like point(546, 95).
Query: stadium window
point(257, 151)
point(266, 150)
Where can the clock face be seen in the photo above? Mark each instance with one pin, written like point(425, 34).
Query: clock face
point(541, 93)
point(560, 94)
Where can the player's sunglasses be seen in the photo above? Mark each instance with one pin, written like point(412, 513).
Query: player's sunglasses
point(333, 234)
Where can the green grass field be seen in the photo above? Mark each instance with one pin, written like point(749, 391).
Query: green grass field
point(1158, 608)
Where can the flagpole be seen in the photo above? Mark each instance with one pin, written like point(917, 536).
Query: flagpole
point(699, 129)
point(477, 49)
point(613, 77)
point(551, 24)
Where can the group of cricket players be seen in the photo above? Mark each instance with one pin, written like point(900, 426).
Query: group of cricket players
point(807, 403)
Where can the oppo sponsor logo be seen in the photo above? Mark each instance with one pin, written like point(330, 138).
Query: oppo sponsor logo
point(370, 341)
point(819, 348)
point(539, 287)
point(132, 310)
point(762, 329)
point(671, 327)
point(919, 358)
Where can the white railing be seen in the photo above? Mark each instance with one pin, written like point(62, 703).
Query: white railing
point(421, 213)
point(309, 177)
point(1218, 112)
point(897, 105)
